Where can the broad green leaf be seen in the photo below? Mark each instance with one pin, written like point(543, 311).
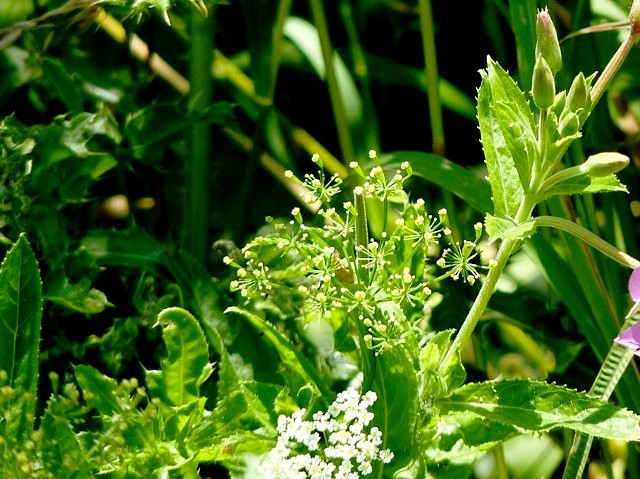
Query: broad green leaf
point(305, 36)
point(433, 383)
point(187, 364)
point(79, 297)
point(540, 406)
point(506, 228)
point(131, 247)
point(533, 455)
point(300, 371)
point(59, 78)
point(60, 445)
point(522, 21)
point(462, 182)
point(20, 326)
point(98, 390)
point(507, 134)
point(605, 184)
point(462, 437)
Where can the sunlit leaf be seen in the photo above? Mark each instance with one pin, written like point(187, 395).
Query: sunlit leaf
point(540, 406)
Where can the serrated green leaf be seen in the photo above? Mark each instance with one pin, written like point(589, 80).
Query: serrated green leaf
point(98, 389)
point(585, 184)
point(435, 383)
point(462, 437)
point(540, 406)
point(507, 134)
point(506, 228)
point(605, 184)
point(20, 316)
point(187, 364)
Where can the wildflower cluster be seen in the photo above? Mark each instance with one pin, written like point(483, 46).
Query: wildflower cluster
point(318, 190)
point(332, 269)
point(458, 258)
point(378, 185)
point(336, 444)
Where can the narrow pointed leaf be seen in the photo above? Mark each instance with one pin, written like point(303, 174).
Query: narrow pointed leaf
point(98, 390)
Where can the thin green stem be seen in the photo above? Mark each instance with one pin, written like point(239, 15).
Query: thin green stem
point(432, 80)
point(431, 76)
point(590, 238)
point(362, 232)
point(201, 93)
point(335, 95)
point(604, 80)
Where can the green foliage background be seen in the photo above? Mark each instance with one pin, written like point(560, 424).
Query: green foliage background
point(130, 188)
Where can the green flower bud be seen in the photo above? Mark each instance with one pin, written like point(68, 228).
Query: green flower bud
point(543, 87)
point(547, 43)
point(604, 164)
point(569, 124)
point(578, 95)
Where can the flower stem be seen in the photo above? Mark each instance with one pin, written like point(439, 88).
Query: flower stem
point(590, 238)
point(604, 80)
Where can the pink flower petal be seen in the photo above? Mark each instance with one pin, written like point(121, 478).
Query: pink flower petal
point(631, 338)
point(634, 285)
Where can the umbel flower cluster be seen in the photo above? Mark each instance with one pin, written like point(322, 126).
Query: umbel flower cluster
point(332, 268)
point(336, 444)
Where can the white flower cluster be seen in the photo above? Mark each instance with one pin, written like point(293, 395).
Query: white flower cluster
point(337, 443)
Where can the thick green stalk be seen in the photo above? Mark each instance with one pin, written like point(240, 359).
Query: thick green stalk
point(196, 210)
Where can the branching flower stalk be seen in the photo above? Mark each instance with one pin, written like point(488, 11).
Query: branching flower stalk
point(543, 169)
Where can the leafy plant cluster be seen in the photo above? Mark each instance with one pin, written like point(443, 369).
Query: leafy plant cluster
point(378, 328)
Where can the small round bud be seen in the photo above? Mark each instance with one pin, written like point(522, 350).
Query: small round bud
point(578, 96)
point(604, 164)
point(569, 124)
